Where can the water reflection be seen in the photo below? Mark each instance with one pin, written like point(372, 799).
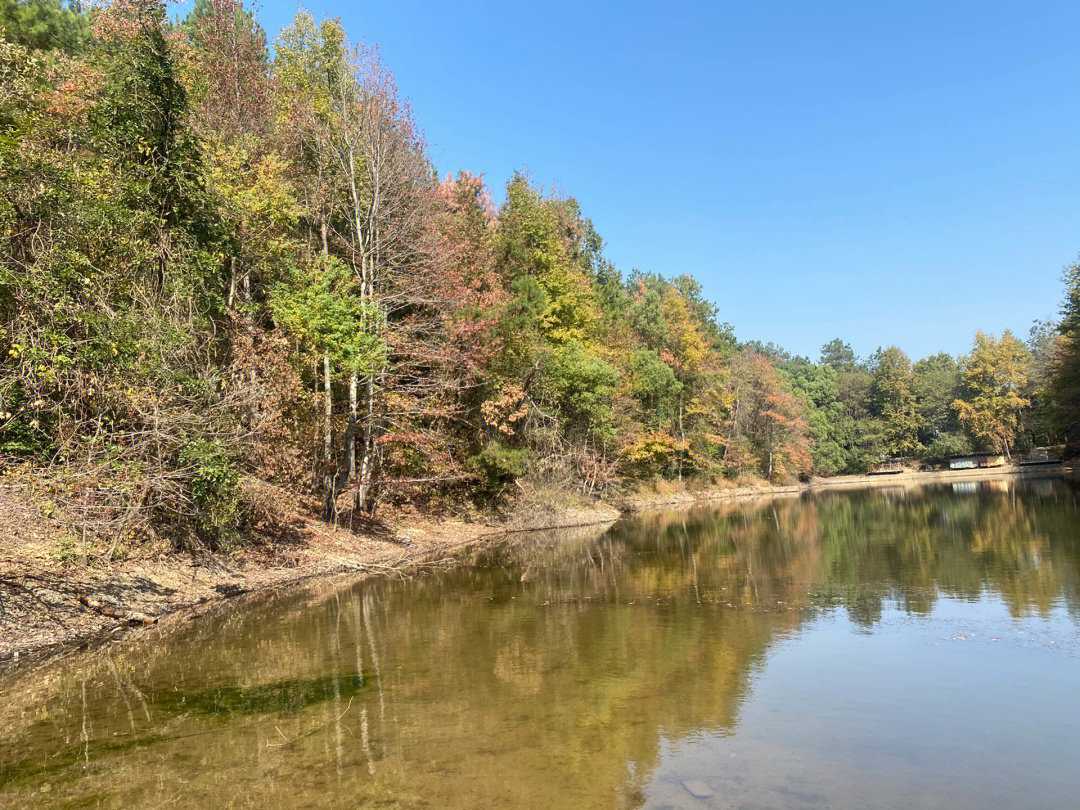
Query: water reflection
point(590, 669)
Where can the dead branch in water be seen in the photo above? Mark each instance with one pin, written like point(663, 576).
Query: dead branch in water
point(315, 730)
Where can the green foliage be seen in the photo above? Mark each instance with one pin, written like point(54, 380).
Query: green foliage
point(321, 306)
point(645, 313)
point(140, 122)
point(948, 444)
point(45, 25)
point(541, 237)
point(1064, 387)
point(213, 484)
point(1039, 424)
point(838, 356)
point(583, 387)
point(21, 433)
point(501, 465)
point(653, 384)
point(519, 327)
point(309, 61)
point(892, 400)
point(719, 335)
point(816, 386)
point(936, 383)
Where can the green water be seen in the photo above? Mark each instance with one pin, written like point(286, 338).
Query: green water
point(893, 649)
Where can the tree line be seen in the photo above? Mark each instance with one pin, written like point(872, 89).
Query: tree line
point(222, 266)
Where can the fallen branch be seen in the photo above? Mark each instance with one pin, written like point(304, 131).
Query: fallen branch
point(128, 616)
point(315, 730)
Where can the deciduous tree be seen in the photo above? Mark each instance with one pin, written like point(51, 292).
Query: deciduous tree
point(995, 378)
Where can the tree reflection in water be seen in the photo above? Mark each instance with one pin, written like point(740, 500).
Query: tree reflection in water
point(553, 671)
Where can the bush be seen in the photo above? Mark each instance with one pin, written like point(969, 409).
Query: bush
point(501, 465)
point(652, 454)
point(213, 484)
point(21, 429)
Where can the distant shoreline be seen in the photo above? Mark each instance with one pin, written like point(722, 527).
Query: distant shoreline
point(907, 479)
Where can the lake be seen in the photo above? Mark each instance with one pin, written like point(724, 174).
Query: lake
point(877, 649)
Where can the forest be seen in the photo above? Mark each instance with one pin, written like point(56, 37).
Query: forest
point(228, 263)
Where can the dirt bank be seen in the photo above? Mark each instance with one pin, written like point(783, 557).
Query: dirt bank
point(50, 603)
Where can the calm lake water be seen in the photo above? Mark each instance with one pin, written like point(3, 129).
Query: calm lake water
point(889, 649)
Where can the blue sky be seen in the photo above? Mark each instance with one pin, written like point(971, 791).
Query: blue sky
point(889, 173)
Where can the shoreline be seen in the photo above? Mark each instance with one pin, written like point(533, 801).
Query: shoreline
point(51, 609)
point(909, 479)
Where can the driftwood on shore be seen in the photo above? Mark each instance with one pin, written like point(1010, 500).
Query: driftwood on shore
point(128, 616)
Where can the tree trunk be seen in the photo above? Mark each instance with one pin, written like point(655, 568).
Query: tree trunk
point(328, 437)
point(733, 432)
point(232, 281)
point(315, 431)
point(249, 326)
point(367, 460)
point(328, 412)
point(770, 434)
point(350, 444)
point(682, 438)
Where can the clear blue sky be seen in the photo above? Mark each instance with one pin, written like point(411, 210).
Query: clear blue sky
point(889, 173)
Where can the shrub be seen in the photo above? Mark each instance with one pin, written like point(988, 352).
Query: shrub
point(501, 465)
point(650, 455)
point(213, 484)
